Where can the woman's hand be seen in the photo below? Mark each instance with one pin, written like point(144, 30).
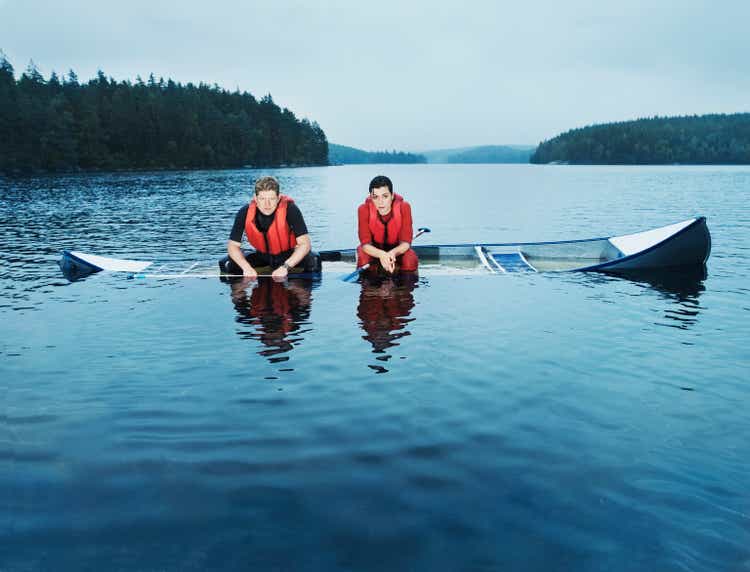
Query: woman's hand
point(388, 261)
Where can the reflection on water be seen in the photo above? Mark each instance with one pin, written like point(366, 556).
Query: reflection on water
point(385, 304)
point(550, 429)
point(275, 313)
point(682, 286)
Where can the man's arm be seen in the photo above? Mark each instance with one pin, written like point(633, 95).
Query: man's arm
point(304, 245)
point(300, 251)
point(234, 244)
point(296, 223)
point(235, 253)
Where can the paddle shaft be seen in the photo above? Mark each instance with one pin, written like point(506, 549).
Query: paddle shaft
point(198, 276)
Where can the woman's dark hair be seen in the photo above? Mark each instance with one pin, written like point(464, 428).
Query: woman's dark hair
point(381, 181)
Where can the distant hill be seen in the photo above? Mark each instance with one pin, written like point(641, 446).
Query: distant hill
point(693, 140)
point(483, 154)
point(342, 155)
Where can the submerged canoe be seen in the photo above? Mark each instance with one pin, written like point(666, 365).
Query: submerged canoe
point(687, 243)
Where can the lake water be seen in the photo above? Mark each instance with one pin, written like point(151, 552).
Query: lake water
point(517, 422)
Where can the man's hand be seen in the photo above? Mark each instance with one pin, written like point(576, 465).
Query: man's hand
point(235, 253)
point(280, 274)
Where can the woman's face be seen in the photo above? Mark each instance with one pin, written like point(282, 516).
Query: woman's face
point(383, 199)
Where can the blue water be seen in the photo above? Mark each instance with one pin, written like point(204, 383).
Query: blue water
point(529, 422)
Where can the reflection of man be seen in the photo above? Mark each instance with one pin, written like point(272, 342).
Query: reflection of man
point(384, 308)
point(385, 229)
point(273, 310)
point(274, 226)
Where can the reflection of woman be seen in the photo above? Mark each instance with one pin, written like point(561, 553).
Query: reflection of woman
point(273, 310)
point(384, 308)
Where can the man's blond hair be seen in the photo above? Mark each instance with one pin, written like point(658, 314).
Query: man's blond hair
point(266, 184)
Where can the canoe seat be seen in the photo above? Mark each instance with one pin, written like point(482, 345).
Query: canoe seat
point(512, 262)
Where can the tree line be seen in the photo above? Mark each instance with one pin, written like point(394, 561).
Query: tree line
point(696, 140)
point(61, 124)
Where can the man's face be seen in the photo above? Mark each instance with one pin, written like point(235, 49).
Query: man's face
point(383, 199)
point(267, 201)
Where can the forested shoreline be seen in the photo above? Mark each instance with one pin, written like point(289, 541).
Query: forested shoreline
point(61, 125)
point(690, 140)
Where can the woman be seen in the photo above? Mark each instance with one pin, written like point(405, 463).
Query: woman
point(385, 229)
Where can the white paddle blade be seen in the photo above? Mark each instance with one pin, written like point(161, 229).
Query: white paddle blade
point(113, 264)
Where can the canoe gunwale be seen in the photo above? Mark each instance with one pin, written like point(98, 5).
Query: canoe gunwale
point(696, 246)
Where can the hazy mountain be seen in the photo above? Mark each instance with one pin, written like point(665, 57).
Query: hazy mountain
point(482, 154)
point(343, 155)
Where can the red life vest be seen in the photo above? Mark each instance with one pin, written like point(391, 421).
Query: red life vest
point(385, 234)
point(279, 237)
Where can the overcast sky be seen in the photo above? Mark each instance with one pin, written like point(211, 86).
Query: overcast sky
point(412, 75)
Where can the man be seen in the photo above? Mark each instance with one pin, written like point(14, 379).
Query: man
point(385, 229)
point(274, 226)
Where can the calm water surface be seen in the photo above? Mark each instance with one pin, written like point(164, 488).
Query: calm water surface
point(535, 422)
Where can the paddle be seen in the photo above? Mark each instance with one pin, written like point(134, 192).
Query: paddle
point(355, 274)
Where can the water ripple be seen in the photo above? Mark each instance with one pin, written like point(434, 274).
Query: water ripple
point(557, 421)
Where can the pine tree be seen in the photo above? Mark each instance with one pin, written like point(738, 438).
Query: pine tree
point(65, 125)
point(8, 116)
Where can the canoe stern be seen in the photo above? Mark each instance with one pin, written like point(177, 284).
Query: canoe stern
point(688, 246)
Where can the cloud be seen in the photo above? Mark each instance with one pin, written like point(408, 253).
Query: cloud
point(415, 74)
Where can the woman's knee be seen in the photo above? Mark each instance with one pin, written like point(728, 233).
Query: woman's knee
point(409, 261)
